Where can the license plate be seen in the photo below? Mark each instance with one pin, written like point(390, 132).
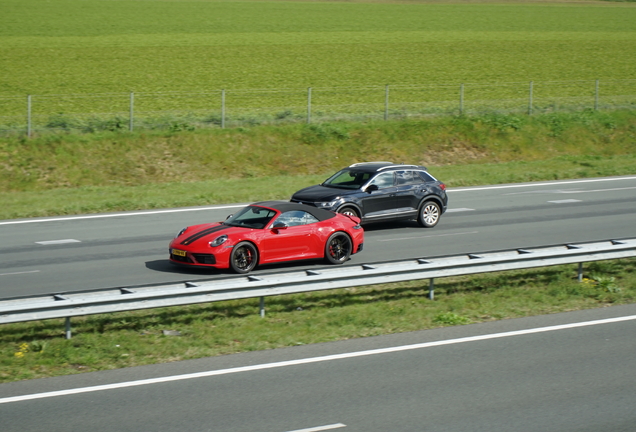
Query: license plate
point(178, 252)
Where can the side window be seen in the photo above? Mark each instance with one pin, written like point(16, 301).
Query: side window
point(406, 178)
point(384, 180)
point(426, 177)
point(295, 218)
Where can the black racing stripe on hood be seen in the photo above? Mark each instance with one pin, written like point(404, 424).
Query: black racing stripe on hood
point(203, 233)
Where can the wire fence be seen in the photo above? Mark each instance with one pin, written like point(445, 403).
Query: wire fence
point(228, 108)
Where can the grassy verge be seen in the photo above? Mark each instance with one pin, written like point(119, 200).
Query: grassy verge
point(101, 342)
point(71, 174)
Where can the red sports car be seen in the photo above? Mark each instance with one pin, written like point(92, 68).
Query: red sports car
point(269, 232)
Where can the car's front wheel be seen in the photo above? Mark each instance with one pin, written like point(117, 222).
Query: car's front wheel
point(349, 211)
point(244, 257)
point(338, 248)
point(429, 214)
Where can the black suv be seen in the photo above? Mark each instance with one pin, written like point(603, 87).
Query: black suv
point(380, 191)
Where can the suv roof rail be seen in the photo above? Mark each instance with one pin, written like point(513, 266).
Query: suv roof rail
point(398, 166)
point(370, 163)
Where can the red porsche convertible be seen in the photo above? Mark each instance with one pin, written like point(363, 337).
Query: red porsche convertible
point(269, 232)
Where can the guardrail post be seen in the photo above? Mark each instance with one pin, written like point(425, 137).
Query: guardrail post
point(262, 307)
point(67, 325)
point(580, 275)
point(431, 289)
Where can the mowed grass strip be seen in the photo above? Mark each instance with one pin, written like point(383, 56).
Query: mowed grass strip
point(92, 46)
point(71, 174)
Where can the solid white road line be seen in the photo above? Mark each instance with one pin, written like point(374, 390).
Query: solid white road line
point(470, 189)
point(297, 362)
point(144, 213)
point(17, 273)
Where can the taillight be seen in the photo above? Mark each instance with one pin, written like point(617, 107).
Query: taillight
point(443, 186)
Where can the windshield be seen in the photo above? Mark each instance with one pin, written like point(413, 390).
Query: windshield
point(348, 179)
point(251, 217)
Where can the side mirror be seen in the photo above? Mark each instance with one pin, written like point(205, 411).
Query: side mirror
point(279, 226)
point(371, 188)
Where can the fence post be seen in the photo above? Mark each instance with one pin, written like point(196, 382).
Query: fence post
point(223, 109)
point(530, 99)
point(262, 307)
point(386, 102)
point(67, 327)
point(596, 97)
point(132, 111)
point(28, 116)
point(308, 105)
point(461, 99)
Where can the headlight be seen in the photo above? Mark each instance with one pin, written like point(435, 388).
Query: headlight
point(330, 204)
point(183, 230)
point(218, 241)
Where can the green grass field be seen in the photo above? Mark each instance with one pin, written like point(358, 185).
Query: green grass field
point(97, 46)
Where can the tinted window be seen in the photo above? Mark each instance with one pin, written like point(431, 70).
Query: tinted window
point(426, 176)
point(384, 180)
point(348, 179)
point(251, 217)
point(407, 177)
point(295, 218)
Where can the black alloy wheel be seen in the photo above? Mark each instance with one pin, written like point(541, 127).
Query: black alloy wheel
point(244, 257)
point(338, 248)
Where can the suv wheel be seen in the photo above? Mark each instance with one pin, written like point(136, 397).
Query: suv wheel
point(348, 211)
point(429, 214)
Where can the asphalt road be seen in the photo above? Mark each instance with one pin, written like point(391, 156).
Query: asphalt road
point(52, 255)
point(569, 372)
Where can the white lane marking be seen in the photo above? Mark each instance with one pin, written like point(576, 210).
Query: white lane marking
point(454, 210)
point(144, 213)
point(321, 428)
point(570, 191)
point(17, 273)
point(470, 189)
point(573, 191)
point(565, 201)
point(53, 242)
point(427, 236)
point(311, 360)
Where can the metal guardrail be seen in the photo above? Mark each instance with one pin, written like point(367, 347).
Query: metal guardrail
point(68, 305)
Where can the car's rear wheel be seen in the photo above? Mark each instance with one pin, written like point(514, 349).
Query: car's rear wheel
point(429, 214)
point(338, 248)
point(244, 257)
point(349, 211)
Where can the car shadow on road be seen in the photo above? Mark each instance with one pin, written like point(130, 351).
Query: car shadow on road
point(165, 266)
